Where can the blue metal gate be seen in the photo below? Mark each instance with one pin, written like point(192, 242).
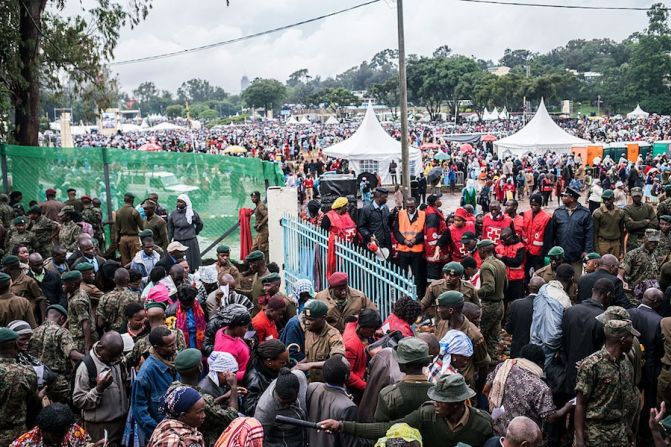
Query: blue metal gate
point(306, 255)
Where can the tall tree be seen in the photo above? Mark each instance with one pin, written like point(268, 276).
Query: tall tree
point(387, 93)
point(335, 99)
point(266, 93)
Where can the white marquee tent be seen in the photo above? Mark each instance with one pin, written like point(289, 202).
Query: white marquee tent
point(291, 121)
point(371, 149)
point(166, 126)
point(504, 114)
point(304, 120)
point(638, 113)
point(332, 120)
point(541, 134)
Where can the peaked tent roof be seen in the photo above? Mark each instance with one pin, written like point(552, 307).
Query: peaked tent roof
point(167, 126)
point(332, 120)
point(540, 134)
point(291, 120)
point(370, 141)
point(638, 112)
point(304, 120)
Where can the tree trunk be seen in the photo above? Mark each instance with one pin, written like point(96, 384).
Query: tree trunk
point(27, 105)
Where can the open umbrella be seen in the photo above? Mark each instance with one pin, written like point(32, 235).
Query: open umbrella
point(149, 147)
point(466, 147)
point(235, 150)
point(441, 156)
point(434, 174)
point(429, 146)
point(488, 138)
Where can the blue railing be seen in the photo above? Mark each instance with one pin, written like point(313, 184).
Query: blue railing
point(306, 255)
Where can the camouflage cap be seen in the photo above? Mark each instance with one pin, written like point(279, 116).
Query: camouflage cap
point(652, 235)
point(613, 313)
point(620, 328)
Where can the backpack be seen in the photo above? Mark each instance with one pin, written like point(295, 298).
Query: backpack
point(91, 370)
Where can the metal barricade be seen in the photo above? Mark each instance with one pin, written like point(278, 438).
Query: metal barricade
point(306, 257)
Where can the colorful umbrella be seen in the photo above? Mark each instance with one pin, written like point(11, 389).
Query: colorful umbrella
point(441, 156)
point(235, 150)
point(149, 147)
point(466, 148)
point(488, 138)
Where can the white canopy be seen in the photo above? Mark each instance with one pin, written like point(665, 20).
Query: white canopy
point(304, 120)
point(637, 113)
point(371, 149)
point(129, 127)
point(504, 114)
point(332, 120)
point(490, 116)
point(166, 126)
point(541, 134)
point(291, 121)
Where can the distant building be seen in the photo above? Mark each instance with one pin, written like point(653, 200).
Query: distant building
point(500, 70)
point(591, 76)
point(244, 83)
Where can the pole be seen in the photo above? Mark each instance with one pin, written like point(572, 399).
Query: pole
point(108, 194)
point(403, 87)
point(598, 105)
point(5, 174)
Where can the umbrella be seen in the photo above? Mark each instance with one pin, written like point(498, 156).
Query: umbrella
point(149, 147)
point(434, 174)
point(488, 138)
point(235, 150)
point(441, 156)
point(466, 148)
point(430, 146)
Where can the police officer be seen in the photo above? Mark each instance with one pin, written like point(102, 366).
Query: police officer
point(608, 226)
point(453, 273)
point(493, 282)
point(321, 339)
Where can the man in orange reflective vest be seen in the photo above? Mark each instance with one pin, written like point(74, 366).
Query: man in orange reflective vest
point(534, 232)
point(511, 252)
point(409, 233)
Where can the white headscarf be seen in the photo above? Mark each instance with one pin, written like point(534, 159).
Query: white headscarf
point(220, 361)
point(189, 209)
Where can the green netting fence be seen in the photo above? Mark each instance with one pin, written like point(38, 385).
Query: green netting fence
point(217, 185)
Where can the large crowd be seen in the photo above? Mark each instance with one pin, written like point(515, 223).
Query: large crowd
point(529, 327)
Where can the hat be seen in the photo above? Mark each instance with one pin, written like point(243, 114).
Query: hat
point(4, 278)
point(636, 192)
point(370, 318)
point(302, 286)
point(35, 210)
point(432, 198)
point(20, 221)
point(608, 194)
point(405, 432)
point(256, 255)
point(7, 334)
point(461, 213)
point(665, 218)
point(468, 236)
point(71, 276)
point(485, 243)
point(411, 350)
point(147, 203)
point(50, 192)
point(276, 302)
point(129, 195)
point(273, 277)
point(450, 388)
point(179, 400)
point(20, 327)
point(10, 260)
point(187, 359)
point(620, 327)
point(315, 309)
point(338, 279)
point(453, 268)
point(591, 256)
point(84, 267)
point(571, 192)
point(613, 313)
point(223, 249)
point(652, 235)
point(339, 203)
point(145, 233)
point(176, 246)
point(556, 251)
point(536, 198)
point(155, 304)
point(58, 308)
point(381, 190)
point(85, 198)
point(66, 209)
point(450, 298)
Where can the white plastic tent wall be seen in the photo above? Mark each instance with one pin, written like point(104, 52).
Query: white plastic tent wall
point(492, 116)
point(166, 126)
point(371, 146)
point(638, 113)
point(332, 120)
point(485, 115)
point(540, 135)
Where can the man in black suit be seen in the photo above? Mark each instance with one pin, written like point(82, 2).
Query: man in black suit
point(645, 318)
point(174, 255)
point(607, 268)
point(89, 255)
point(49, 282)
point(520, 314)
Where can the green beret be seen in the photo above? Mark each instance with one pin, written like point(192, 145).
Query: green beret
point(254, 256)
point(453, 268)
point(667, 188)
point(315, 309)
point(20, 221)
point(10, 259)
point(145, 233)
point(35, 210)
point(485, 243)
point(450, 298)
point(155, 304)
point(187, 359)
point(556, 251)
point(58, 308)
point(665, 218)
point(7, 334)
point(72, 276)
point(84, 267)
point(593, 255)
point(608, 194)
point(273, 277)
point(223, 249)
point(4, 278)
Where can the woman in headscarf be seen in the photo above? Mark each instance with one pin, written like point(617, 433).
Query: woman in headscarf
point(455, 351)
point(235, 321)
point(185, 412)
point(221, 365)
point(55, 426)
point(400, 435)
point(243, 432)
point(190, 317)
point(184, 224)
point(469, 194)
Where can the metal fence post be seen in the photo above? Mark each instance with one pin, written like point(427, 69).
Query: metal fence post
point(3, 162)
point(108, 190)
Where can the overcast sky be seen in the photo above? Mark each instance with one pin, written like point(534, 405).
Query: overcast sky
point(332, 45)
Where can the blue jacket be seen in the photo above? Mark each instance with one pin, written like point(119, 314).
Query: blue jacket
point(293, 333)
point(572, 232)
point(147, 396)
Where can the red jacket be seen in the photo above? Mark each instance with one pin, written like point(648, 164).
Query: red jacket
point(355, 352)
point(491, 228)
point(514, 265)
point(458, 250)
point(265, 329)
point(534, 230)
point(434, 228)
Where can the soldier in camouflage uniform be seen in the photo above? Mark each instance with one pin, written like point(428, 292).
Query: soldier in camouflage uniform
point(607, 396)
point(18, 387)
point(19, 234)
point(55, 347)
point(111, 311)
point(637, 217)
point(664, 207)
point(44, 230)
point(81, 321)
point(155, 318)
point(67, 236)
point(453, 273)
point(642, 263)
point(664, 245)
point(94, 216)
point(6, 211)
point(493, 282)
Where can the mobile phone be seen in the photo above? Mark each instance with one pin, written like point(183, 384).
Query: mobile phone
point(105, 439)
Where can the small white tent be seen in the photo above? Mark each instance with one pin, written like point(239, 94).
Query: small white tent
point(304, 120)
point(541, 134)
point(291, 121)
point(166, 126)
point(638, 113)
point(332, 120)
point(485, 115)
point(371, 149)
point(491, 116)
point(504, 114)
